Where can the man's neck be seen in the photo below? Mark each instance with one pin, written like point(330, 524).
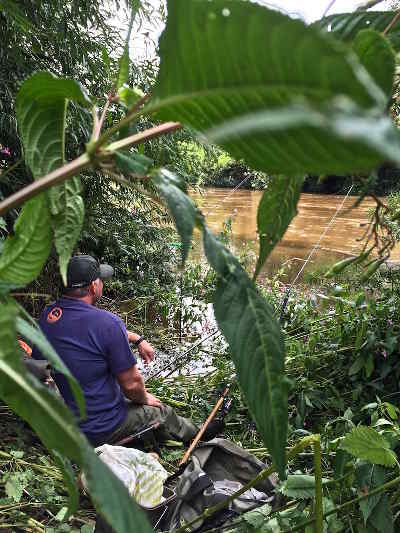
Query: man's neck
point(87, 299)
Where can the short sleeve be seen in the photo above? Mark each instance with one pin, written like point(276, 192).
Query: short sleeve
point(118, 351)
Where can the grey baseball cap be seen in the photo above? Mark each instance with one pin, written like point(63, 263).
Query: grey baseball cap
point(83, 269)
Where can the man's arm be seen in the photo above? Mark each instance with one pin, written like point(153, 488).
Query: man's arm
point(132, 384)
point(145, 349)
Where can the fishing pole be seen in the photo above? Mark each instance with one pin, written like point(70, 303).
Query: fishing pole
point(316, 245)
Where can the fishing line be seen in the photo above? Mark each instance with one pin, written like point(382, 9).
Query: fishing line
point(174, 365)
point(316, 245)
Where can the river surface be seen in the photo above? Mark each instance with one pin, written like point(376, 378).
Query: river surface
point(315, 212)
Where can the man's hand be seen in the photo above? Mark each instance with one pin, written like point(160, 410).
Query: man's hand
point(152, 400)
point(146, 351)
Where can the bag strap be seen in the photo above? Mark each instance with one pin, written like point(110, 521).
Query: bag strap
point(202, 482)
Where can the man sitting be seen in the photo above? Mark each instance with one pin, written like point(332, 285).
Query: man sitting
point(94, 345)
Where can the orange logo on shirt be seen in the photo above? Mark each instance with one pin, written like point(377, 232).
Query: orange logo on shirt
point(54, 315)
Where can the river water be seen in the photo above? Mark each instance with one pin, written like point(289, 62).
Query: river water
point(315, 212)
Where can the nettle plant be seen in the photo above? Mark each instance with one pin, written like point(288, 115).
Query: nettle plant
point(288, 99)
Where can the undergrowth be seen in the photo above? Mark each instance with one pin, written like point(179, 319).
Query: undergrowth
point(342, 360)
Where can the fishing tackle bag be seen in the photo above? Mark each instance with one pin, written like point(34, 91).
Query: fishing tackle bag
point(216, 470)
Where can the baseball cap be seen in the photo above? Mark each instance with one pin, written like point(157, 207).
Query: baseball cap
point(83, 269)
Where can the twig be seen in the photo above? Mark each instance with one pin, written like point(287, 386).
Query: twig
point(392, 23)
point(96, 133)
point(369, 5)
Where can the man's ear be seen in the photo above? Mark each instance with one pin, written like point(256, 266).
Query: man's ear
point(92, 288)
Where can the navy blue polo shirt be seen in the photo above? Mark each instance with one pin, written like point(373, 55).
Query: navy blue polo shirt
point(93, 344)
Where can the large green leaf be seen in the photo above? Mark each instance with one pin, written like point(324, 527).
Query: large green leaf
point(372, 133)
point(181, 207)
point(278, 63)
point(366, 443)
point(41, 111)
point(24, 254)
point(69, 479)
point(345, 26)
point(54, 424)
point(68, 215)
point(376, 55)
point(35, 336)
point(277, 208)
point(41, 108)
point(382, 517)
point(256, 345)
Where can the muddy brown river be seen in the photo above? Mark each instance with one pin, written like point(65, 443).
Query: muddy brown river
point(315, 212)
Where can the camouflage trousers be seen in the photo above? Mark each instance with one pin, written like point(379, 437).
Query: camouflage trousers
point(172, 426)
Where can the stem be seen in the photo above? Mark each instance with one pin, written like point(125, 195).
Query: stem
point(137, 138)
point(306, 441)
point(318, 509)
point(53, 178)
point(392, 23)
point(378, 490)
point(102, 118)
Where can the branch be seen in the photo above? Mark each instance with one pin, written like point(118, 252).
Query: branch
point(137, 138)
point(54, 178)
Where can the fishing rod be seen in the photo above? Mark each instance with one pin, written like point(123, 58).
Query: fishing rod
point(310, 255)
point(196, 440)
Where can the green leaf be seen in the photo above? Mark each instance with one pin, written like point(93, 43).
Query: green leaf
point(376, 55)
point(133, 162)
point(280, 61)
point(13, 12)
point(124, 61)
point(360, 132)
point(181, 207)
point(33, 334)
point(277, 208)
point(54, 423)
point(257, 517)
point(369, 477)
point(248, 324)
point(129, 96)
point(6, 287)
point(340, 462)
point(24, 254)
point(68, 214)
point(345, 26)
point(70, 482)
point(15, 485)
point(366, 443)
point(299, 486)
point(41, 111)
point(41, 108)
point(382, 517)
